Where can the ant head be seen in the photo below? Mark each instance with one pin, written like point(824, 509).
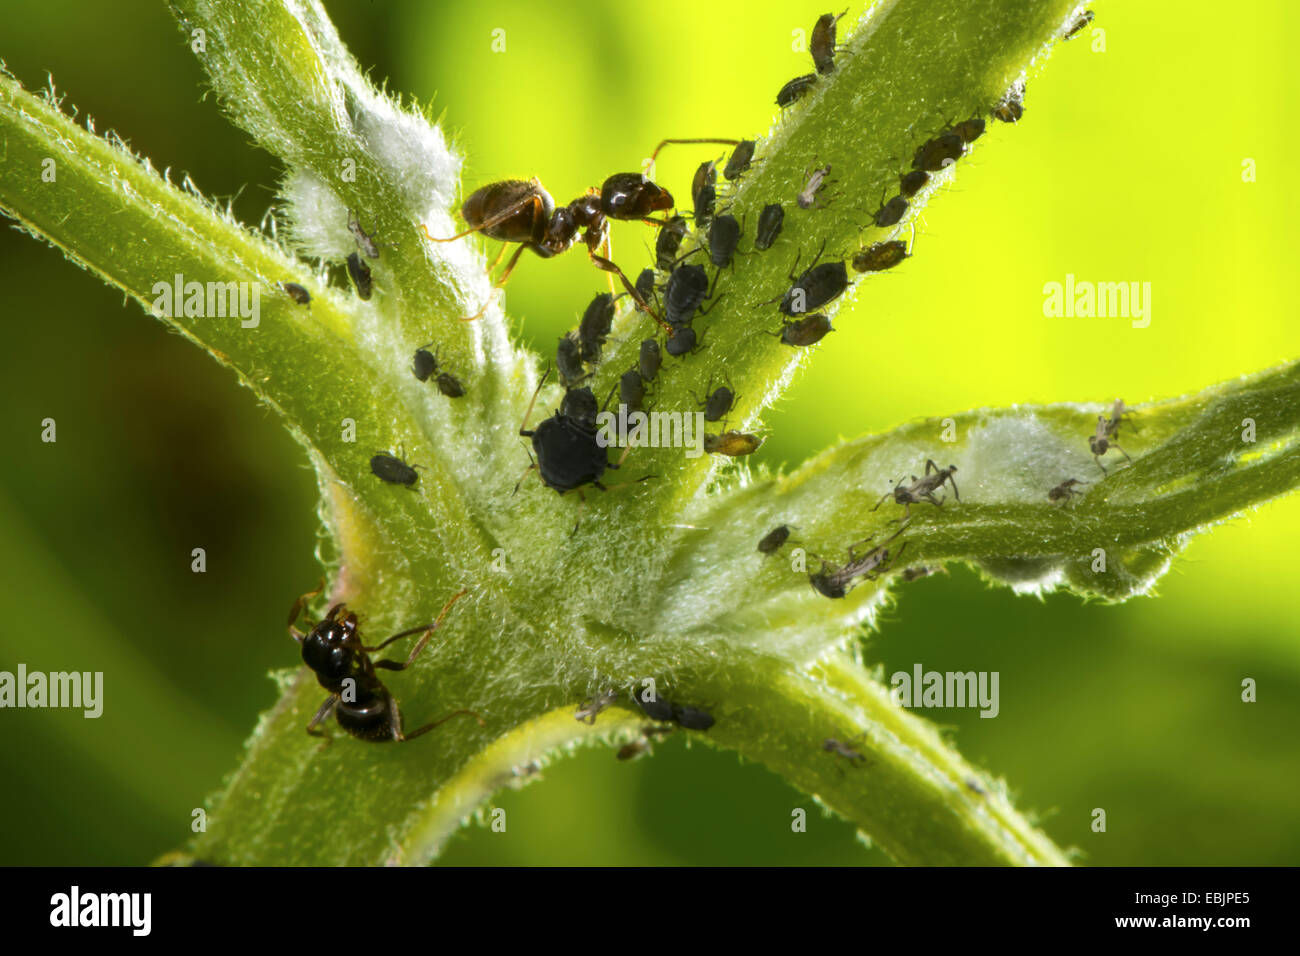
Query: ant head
point(1098, 444)
point(331, 647)
point(633, 196)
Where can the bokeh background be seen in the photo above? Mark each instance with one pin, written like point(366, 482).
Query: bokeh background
point(1127, 166)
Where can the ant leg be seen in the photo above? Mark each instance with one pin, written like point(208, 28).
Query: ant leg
point(602, 263)
point(937, 502)
point(607, 252)
point(953, 481)
point(663, 143)
point(882, 499)
point(1097, 459)
point(500, 255)
point(930, 466)
point(1122, 452)
point(396, 724)
point(500, 283)
point(298, 605)
point(323, 714)
point(422, 642)
point(500, 217)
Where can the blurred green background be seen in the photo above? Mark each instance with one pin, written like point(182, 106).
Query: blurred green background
point(1127, 166)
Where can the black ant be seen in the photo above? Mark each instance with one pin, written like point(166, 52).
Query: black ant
point(358, 698)
point(922, 489)
point(524, 212)
point(842, 749)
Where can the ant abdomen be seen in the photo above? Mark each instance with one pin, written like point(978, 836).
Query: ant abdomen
point(372, 717)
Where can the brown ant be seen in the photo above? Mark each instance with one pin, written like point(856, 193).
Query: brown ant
point(358, 698)
point(524, 212)
point(923, 488)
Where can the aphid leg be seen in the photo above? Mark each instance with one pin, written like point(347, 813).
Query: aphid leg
point(322, 714)
point(396, 723)
point(527, 414)
point(531, 467)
